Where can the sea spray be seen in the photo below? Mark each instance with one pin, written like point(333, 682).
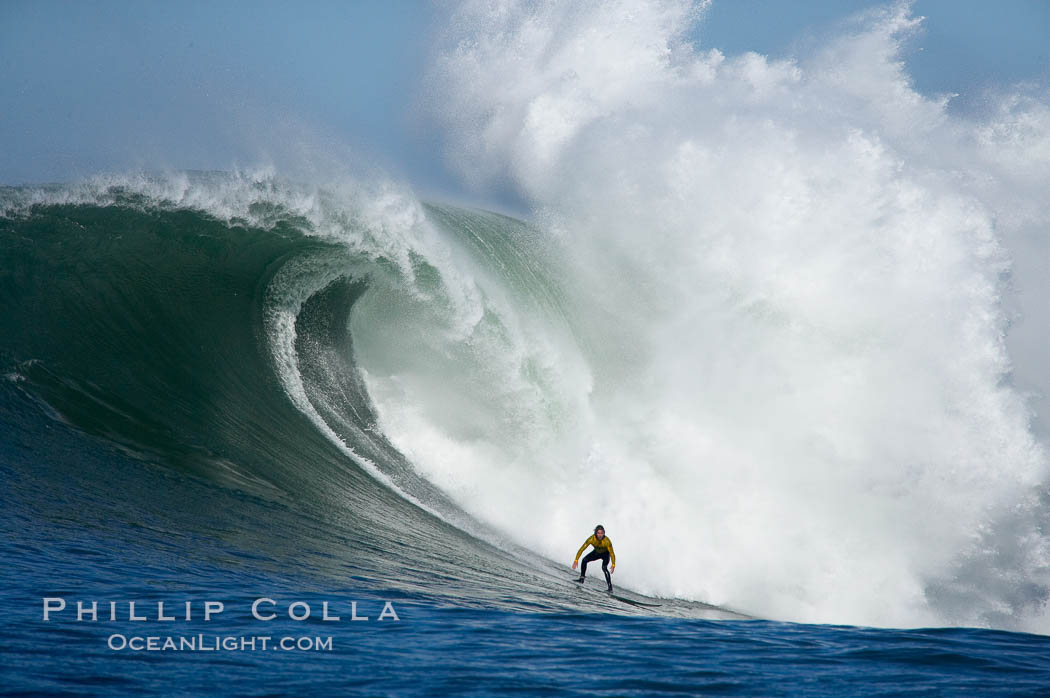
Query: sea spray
point(788, 276)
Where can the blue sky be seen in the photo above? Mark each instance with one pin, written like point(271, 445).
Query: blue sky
point(965, 45)
point(104, 86)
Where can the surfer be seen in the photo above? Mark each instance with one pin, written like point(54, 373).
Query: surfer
point(603, 550)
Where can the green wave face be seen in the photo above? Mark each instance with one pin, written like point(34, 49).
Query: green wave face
point(143, 327)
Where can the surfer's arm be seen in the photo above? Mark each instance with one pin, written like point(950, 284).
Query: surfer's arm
point(582, 547)
point(612, 555)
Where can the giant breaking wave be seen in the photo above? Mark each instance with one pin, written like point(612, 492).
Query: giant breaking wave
point(763, 325)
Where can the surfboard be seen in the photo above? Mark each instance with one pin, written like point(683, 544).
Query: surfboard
point(613, 595)
point(635, 603)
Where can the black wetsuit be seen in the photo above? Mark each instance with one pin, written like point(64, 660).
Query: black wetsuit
point(596, 555)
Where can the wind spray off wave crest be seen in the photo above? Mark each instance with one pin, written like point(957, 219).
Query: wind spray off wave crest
point(788, 277)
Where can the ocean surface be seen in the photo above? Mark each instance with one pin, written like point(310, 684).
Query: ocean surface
point(222, 388)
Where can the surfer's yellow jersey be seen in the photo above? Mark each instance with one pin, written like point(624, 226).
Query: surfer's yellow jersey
point(599, 545)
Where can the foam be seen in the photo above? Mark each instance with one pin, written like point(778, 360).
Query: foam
point(790, 276)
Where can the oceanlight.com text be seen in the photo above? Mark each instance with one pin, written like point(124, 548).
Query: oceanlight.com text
point(217, 643)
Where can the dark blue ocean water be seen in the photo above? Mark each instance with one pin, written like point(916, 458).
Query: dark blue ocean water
point(59, 542)
point(434, 649)
point(149, 454)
